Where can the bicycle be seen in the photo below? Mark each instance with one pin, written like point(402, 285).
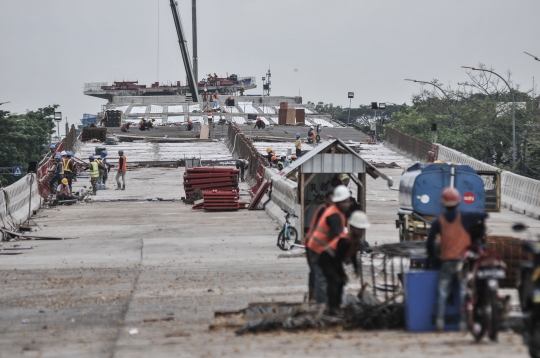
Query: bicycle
point(288, 236)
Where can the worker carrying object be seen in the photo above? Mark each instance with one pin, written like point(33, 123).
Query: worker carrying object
point(58, 172)
point(316, 216)
point(242, 164)
point(340, 249)
point(331, 225)
point(311, 135)
point(94, 174)
point(122, 168)
point(298, 145)
point(454, 230)
point(63, 191)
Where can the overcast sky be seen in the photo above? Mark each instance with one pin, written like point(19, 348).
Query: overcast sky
point(322, 49)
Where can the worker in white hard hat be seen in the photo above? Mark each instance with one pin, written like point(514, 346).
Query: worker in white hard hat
point(340, 249)
point(331, 225)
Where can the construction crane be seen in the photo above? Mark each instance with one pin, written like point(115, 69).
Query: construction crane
point(192, 83)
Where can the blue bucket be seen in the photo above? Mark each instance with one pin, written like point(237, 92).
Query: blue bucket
point(421, 289)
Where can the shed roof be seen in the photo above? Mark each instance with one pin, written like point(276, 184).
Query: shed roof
point(322, 148)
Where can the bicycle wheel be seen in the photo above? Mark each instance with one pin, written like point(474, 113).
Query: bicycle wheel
point(285, 243)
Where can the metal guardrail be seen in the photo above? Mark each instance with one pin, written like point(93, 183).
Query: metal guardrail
point(241, 146)
point(414, 147)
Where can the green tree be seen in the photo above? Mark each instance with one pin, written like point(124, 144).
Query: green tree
point(23, 138)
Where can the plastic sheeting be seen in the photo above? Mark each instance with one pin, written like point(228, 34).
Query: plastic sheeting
point(17, 199)
point(176, 109)
point(138, 110)
point(156, 109)
point(175, 119)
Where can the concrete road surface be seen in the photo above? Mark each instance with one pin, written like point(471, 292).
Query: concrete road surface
point(159, 270)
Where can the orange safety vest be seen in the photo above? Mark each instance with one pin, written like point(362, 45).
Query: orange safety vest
point(321, 236)
point(454, 238)
point(352, 250)
point(314, 222)
point(122, 168)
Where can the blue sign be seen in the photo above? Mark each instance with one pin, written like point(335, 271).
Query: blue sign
point(17, 171)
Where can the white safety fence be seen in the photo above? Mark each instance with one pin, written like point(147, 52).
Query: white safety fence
point(18, 200)
point(519, 194)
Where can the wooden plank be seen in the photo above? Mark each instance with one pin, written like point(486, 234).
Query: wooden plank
point(205, 131)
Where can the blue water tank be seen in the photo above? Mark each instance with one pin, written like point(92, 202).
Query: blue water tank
point(421, 187)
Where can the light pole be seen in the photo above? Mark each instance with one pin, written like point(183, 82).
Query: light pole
point(351, 96)
point(429, 83)
point(58, 119)
point(513, 110)
point(533, 56)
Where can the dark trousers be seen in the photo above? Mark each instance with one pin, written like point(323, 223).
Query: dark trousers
point(69, 177)
point(335, 279)
point(54, 182)
point(298, 153)
point(240, 165)
point(63, 197)
point(311, 278)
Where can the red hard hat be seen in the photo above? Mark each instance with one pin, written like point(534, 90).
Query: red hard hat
point(450, 197)
point(274, 158)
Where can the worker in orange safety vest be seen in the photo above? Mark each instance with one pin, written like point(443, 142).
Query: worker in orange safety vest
point(332, 224)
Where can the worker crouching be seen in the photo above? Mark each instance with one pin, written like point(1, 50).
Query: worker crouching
point(340, 250)
point(63, 191)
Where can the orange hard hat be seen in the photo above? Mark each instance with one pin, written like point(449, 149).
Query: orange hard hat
point(274, 158)
point(450, 197)
point(190, 121)
point(294, 157)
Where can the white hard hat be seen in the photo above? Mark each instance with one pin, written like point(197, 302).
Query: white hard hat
point(341, 193)
point(63, 153)
point(311, 127)
point(359, 220)
point(283, 154)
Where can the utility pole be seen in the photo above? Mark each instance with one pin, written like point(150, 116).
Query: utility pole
point(351, 96)
point(194, 30)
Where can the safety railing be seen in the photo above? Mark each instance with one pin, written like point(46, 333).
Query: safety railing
point(241, 146)
point(413, 147)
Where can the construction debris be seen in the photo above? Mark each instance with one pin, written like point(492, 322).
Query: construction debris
point(392, 165)
point(94, 133)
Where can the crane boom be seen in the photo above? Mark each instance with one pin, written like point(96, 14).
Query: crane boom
point(185, 54)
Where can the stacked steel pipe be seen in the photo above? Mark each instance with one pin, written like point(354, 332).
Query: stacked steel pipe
point(219, 186)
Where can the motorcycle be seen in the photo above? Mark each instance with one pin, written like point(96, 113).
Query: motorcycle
point(529, 293)
point(485, 309)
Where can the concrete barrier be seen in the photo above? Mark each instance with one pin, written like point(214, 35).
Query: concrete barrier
point(18, 200)
point(283, 197)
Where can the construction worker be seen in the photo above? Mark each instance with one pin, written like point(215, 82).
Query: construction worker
point(69, 172)
point(269, 154)
point(454, 230)
point(259, 124)
point(58, 172)
point(345, 179)
point(122, 168)
point(340, 249)
point(52, 149)
point(293, 158)
point(104, 167)
point(311, 135)
point(94, 174)
point(274, 162)
point(150, 123)
point(316, 216)
point(330, 225)
point(215, 99)
point(242, 164)
point(189, 125)
point(298, 145)
point(125, 127)
point(143, 125)
point(205, 98)
point(63, 191)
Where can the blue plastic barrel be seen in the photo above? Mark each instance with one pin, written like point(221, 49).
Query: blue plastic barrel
point(421, 302)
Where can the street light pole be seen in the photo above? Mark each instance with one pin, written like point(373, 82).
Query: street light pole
point(513, 110)
point(430, 83)
point(351, 96)
point(533, 56)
